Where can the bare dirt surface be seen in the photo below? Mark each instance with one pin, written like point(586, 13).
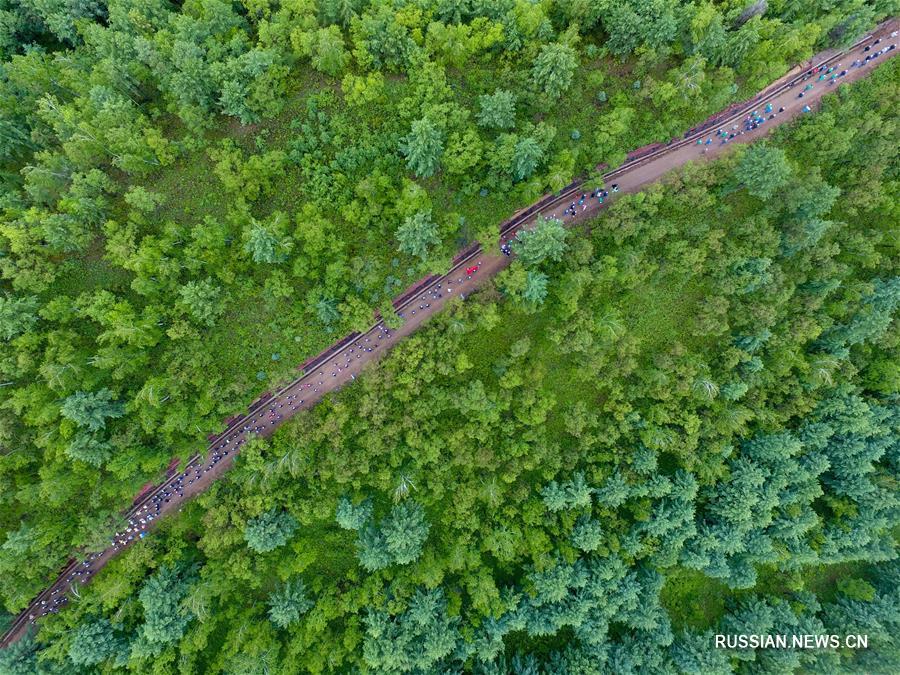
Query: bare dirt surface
point(345, 361)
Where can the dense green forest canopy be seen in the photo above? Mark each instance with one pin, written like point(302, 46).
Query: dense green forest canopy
point(690, 421)
point(697, 431)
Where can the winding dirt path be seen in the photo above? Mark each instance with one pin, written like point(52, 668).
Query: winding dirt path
point(346, 359)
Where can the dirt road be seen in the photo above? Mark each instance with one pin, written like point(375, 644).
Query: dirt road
point(345, 361)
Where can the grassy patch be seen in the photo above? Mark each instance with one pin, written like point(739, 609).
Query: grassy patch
point(662, 311)
point(692, 599)
point(89, 271)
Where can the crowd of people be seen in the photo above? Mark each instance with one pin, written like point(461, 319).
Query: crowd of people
point(583, 202)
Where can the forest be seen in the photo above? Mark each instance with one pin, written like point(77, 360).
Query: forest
point(676, 420)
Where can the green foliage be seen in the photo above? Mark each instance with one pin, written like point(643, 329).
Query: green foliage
point(720, 367)
point(165, 619)
point(417, 234)
point(202, 300)
point(572, 494)
point(763, 170)
point(587, 534)
point(856, 589)
point(397, 540)
point(325, 47)
point(423, 147)
point(353, 517)
point(288, 603)
point(20, 658)
point(90, 410)
point(650, 23)
point(545, 241)
point(93, 643)
point(553, 69)
point(416, 640)
point(17, 315)
point(527, 156)
point(267, 243)
point(535, 290)
point(269, 531)
point(497, 110)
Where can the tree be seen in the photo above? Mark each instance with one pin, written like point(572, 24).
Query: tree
point(356, 313)
point(750, 274)
point(94, 642)
point(397, 540)
point(165, 618)
point(856, 589)
point(382, 42)
point(90, 448)
point(270, 530)
point(62, 18)
point(338, 11)
point(325, 47)
point(363, 90)
point(202, 300)
point(288, 603)
point(535, 287)
point(266, 242)
point(614, 492)
point(17, 315)
point(639, 22)
point(572, 494)
point(91, 410)
point(372, 549)
point(763, 169)
point(545, 241)
point(143, 200)
point(405, 532)
point(692, 655)
point(497, 110)
point(587, 534)
point(527, 156)
point(553, 69)
point(416, 640)
point(351, 517)
point(20, 658)
point(872, 319)
point(416, 234)
point(251, 84)
point(423, 147)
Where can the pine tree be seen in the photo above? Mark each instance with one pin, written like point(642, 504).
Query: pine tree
point(270, 530)
point(90, 410)
point(416, 640)
point(423, 147)
point(372, 549)
point(351, 517)
point(417, 234)
point(545, 241)
point(553, 69)
point(17, 315)
point(266, 242)
point(165, 619)
point(497, 110)
point(763, 169)
point(527, 156)
point(405, 531)
point(288, 603)
point(614, 491)
point(202, 300)
point(587, 534)
point(94, 642)
point(20, 658)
